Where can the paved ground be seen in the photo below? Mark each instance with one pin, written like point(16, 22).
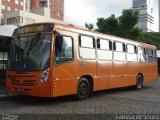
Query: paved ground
point(119, 101)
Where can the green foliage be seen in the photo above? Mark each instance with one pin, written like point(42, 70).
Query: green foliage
point(152, 38)
point(126, 26)
point(135, 33)
point(128, 19)
point(108, 25)
point(89, 26)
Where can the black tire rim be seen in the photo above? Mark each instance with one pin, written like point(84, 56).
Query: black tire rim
point(83, 89)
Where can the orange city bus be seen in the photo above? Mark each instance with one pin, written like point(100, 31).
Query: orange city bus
point(51, 60)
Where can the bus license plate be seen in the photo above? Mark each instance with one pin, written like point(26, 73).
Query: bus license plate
point(20, 90)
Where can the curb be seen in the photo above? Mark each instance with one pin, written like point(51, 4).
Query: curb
point(4, 95)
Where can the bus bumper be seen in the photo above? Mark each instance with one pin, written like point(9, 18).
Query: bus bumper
point(43, 90)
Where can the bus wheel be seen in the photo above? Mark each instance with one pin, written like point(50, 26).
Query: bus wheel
point(139, 82)
point(83, 89)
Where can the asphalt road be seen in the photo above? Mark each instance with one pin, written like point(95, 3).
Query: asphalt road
point(117, 101)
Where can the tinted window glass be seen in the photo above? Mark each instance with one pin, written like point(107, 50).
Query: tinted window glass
point(29, 53)
point(155, 55)
point(63, 49)
point(149, 52)
point(150, 57)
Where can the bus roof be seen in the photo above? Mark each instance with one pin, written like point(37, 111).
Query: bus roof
point(102, 34)
point(83, 30)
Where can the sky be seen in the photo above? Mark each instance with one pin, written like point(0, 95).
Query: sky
point(81, 11)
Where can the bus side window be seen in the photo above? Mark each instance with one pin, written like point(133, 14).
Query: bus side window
point(63, 49)
point(155, 55)
point(131, 53)
point(87, 47)
point(149, 55)
point(104, 44)
point(141, 54)
point(104, 49)
point(119, 47)
point(119, 51)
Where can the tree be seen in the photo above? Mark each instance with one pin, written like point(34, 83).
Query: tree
point(123, 26)
point(151, 38)
point(126, 26)
point(135, 33)
point(129, 19)
point(108, 25)
point(89, 26)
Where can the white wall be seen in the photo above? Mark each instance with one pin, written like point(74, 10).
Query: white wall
point(42, 11)
point(36, 17)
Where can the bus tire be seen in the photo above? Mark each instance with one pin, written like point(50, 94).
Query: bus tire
point(83, 89)
point(139, 82)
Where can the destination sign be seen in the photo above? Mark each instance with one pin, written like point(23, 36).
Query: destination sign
point(33, 29)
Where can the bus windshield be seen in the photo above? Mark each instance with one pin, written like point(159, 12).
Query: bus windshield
point(30, 53)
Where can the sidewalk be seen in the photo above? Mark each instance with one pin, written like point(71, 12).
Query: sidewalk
point(3, 93)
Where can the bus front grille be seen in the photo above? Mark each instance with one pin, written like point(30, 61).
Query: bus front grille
point(23, 82)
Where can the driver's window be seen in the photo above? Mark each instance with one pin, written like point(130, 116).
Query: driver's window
point(63, 49)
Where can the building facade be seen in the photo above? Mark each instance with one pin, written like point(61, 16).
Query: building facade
point(9, 7)
point(56, 7)
point(146, 19)
point(20, 18)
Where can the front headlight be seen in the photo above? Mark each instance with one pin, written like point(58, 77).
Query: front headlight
point(44, 76)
